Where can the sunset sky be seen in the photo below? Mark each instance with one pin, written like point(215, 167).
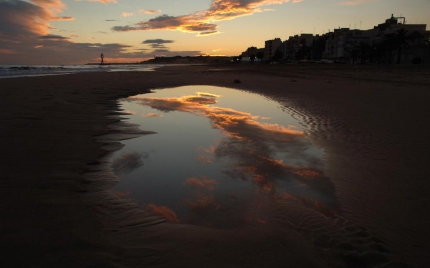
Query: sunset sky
point(77, 31)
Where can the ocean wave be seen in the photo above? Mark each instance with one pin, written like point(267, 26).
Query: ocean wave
point(10, 71)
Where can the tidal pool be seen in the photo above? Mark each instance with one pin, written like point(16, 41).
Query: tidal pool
point(219, 157)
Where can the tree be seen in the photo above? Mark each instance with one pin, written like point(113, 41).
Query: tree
point(378, 51)
point(318, 47)
point(260, 55)
point(237, 59)
point(365, 50)
point(277, 56)
point(390, 41)
point(353, 52)
point(402, 41)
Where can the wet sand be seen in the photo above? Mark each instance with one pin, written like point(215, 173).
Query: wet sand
point(58, 133)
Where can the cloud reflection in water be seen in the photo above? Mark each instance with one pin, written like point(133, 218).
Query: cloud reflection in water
point(278, 160)
point(128, 162)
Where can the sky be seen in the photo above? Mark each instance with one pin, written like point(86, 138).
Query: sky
point(78, 31)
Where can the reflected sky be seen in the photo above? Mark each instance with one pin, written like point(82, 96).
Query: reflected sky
point(220, 158)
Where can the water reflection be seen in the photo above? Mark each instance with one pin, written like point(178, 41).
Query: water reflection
point(220, 158)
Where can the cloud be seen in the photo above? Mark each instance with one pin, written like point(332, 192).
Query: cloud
point(26, 18)
point(202, 22)
point(54, 37)
point(163, 211)
point(122, 194)
point(208, 33)
point(356, 2)
point(263, 153)
point(161, 51)
point(203, 203)
point(100, 1)
point(149, 11)
point(157, 41)
point(203, 183)
point(64, 18)
point(128, 162)
point(25, 26)
point(126, 14)
point(207, 94)
point(8, 51)
point(151, 115)
point(111, 20)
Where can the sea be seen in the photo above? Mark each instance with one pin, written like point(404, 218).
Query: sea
point(11, 71)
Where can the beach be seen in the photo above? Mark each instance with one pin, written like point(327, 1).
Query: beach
point(371, 121)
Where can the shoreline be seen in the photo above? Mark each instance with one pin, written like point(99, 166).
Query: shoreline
point(371, 130)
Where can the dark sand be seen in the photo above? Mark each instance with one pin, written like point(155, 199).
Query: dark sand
point(57, 134)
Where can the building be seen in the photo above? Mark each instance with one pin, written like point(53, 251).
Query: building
point(353, 45)
point(342, 43)
point(356, 46)
point(298, 47)
point(270, 47)
point(249, 52)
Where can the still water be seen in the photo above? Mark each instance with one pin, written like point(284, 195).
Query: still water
point(219, 158)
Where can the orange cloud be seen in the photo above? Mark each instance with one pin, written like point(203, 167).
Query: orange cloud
point(164, 212)
point(64, 18)
point(202, 22)
point(309, 174)
point(126, 14)
point(207, 94)
point(356, 2)
point(263, 182)
point(122, 194)
point(203, 183)
point(32, 17)
point(205, 159)
point(204, 203)
point(100, 1)
point(7, 51)
point(151, 115)
point(225, 119)
point(149, 11)
point(256, 151)
point(53, 5)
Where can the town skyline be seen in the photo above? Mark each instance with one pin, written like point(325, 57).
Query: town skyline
point(76, 32)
